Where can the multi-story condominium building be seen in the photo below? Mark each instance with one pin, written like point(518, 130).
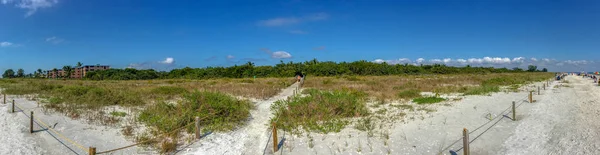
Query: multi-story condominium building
point(78, 72)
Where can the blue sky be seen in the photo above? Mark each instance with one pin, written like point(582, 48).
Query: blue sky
point(558, 35)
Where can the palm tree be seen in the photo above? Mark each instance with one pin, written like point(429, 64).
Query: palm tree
point(40, 73)
point(20, 73)
point(67, 70)
point(79, 64)
point(55, 72)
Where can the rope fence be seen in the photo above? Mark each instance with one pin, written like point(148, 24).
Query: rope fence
point(277, 145)
point(92, 150)
point(504, 114)
point(45, 126)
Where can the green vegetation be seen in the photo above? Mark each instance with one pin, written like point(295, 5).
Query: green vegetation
point(118, 114)
point(408, 86)
point(484, 89)
point(168, 91)
point(366, 124)
point(313, 68)
point(218, 112)
point(9, 73)
point(335, 97)
point(514, 87)
point(320, 111)
point(493, 84)
point(408, 94)
point(428, 100)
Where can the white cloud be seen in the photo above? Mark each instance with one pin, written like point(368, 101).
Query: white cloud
point(284, 21)
point(546, 59)
point(31, 5)
point(420, 60)
point(518, 60)
point(393, 62)
point(230, 57)
point(54, 40)
point(496, 60)
point(447, 60)
point(378, 61)
point(6, 44)
point(500, 62)
point(475, 61)
point(404, 60)
point(167, 60)
point(400, 61)
point(281, 55)
point(577, 62)
point(435, 61)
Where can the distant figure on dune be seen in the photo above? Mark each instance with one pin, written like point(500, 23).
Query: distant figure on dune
point(299, 77)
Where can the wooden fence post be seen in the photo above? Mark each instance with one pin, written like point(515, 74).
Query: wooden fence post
point(31, 123)
point(4, 98)
point(275, 149)
point(13, 107)
point(530, 97)
point(197, 127)
point(544, 86)
point(92, 151)
point(465, 141)
point(514, 118)
point(538, 90)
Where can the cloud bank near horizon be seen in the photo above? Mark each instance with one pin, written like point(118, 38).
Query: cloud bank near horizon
point(499, 62)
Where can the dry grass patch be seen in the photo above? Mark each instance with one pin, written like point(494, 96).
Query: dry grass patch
point(320, 111)
point(400, 87)
point(162, 105)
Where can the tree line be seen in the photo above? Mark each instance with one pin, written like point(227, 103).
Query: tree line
point(282, 69)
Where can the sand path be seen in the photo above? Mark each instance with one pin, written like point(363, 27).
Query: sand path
point(250, 139)
point(568, 122)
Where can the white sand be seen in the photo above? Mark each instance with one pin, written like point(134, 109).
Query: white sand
point(101, 137)
point(564, 120)
point(250, 139)
point(567, 122)
point(15, 137)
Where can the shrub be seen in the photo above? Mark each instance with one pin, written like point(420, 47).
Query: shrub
point(118, 114)
point(428, 100)
point(352, 78)
point(479, 90)
point(407, 94)
point(327, 81)
point(219, 111)
point(321, 111)
point(169, 90)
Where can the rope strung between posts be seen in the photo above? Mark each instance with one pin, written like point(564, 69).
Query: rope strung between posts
point(270, 134)
point(450, 145)
point(490, 120)
point(44, 125)
point(277, 120)
point(521, 102)
point(459, 139)
point(497, 116)
point(482, 133)
point(471, 141)
point(149, 140)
